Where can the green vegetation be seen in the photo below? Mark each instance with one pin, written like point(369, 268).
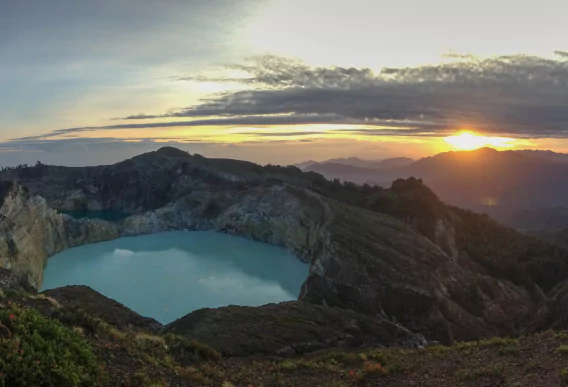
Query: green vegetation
point(90, 325)
point(564, 375)
point(492, 342)
point(38, 351)
point(495, 371)
point(563, 335)
point(80, 350)
point(508, 350)
point(523, 260)
point(190, 350)
point(354, 365)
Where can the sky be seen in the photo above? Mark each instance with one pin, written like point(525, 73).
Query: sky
point(278, 81)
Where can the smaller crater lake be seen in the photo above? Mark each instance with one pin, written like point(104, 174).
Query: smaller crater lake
point(168, 275)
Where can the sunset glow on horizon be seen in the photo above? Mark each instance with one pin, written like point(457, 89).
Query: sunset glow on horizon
point(468, 140)
point(232, 79)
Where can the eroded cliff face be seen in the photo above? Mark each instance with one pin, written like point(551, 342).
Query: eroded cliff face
point(428, 276)
point(30, 232)
point(380, 265)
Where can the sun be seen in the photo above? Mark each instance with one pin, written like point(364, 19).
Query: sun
point(468, 140)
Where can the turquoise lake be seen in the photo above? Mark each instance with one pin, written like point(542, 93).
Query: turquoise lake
point(168, 275)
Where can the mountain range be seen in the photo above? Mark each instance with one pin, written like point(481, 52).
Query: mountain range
point(388, 163)
point(516, 187)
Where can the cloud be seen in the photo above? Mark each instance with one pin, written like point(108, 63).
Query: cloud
point(515, 96)
point(282, 134)
point(405, 127)
point(522, 96)
point(122, 253)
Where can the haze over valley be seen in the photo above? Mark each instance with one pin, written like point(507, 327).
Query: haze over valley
point(524, 189)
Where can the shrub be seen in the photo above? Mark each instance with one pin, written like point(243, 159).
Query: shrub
point(42, 352)
point(508, 350)
point(370, 367)
point(91, 325)
point(495, 370)
point(563, 335)
point(564, 374)
point(288, 365)
point(192, 374)
point(190, 350)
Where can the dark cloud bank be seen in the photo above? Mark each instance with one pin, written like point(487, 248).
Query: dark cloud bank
point(519, 96)
point(522, 96)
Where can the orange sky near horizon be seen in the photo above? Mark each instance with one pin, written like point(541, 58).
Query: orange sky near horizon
point(320, 142)
point(230, 62)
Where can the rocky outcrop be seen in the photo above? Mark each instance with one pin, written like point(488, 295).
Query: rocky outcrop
point(30, 232)
point(12, 282)
point(278, 214)
point(289, 328)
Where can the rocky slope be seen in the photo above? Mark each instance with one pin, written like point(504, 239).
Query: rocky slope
point(289, 329)
point(397, 255)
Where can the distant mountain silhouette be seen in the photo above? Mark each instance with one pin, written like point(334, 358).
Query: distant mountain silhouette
point(305, 164)
point(353, 168)
point(393, 162)
point(500, 183)
point(535, 221)
point(341, 171)
point(545, 155)
point(388, 163)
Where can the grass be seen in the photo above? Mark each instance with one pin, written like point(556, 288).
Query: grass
point(145, 340)
point(562, 350)
point(562, 335)
point(190, 350)
point(372, 368)
point(355, 365)
point(440, 350)
point(495, 370)
point(90, 325)
point(508, 350)
point(193, 375)
point(51, 300)
point(564, 375)
point(492, 342)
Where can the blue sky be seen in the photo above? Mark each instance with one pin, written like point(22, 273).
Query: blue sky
point(277, 80)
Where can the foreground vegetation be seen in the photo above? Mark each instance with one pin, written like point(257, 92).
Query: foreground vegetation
point(45, 344)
